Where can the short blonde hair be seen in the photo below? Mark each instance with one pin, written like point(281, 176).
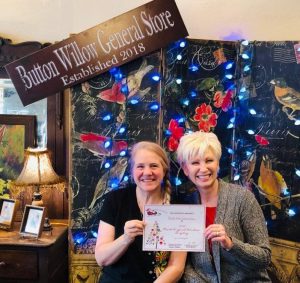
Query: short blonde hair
point(196, 144)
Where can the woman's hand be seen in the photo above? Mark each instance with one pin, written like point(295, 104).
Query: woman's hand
point(108, 249)
point(217, 233)
point(133, 228)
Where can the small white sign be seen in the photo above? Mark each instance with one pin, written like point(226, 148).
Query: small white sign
point(174, 228)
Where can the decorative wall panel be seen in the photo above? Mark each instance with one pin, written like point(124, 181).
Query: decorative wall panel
point(109, 114)
point(246, 92)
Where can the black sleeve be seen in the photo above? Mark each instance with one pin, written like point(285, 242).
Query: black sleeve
point(109, 209)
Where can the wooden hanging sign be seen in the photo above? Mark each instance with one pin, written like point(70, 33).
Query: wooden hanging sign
point(80, 57)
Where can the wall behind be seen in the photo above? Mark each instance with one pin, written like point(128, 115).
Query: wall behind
point(54, 20)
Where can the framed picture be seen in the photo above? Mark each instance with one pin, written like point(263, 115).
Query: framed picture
point(25, 122)
point(8, 208)
point(32, 222)
point(17, 132)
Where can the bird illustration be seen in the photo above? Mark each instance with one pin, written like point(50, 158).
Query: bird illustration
point(103, 185)
point(134, 79)
point(96, 144)
point(208, 84)
point(287, 96)
point(247, 167)
point(271, 182)
point(113, 94)
point(220, 56)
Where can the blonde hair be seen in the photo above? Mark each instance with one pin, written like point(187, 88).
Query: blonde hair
point(196, 144)
point(160, 152)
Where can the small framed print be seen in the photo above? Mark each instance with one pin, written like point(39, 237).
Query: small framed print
point(8, 208)
point(32, 222)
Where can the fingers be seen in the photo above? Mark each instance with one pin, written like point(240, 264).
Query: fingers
point(133, 228)
point(215, 231)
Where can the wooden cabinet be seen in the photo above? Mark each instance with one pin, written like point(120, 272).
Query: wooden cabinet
point(43, 260)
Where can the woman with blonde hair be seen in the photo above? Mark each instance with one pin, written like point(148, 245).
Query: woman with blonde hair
point(119, 244)
point(237, 245)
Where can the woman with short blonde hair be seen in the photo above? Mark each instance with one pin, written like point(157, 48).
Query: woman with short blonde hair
point(237, 245)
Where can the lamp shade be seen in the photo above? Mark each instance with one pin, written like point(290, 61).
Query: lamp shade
point(37, 169)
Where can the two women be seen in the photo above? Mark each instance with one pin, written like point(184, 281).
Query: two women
point(119, 244)
point(237, 247)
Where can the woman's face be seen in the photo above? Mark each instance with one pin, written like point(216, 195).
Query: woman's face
point(147, 170)
point(203, 172)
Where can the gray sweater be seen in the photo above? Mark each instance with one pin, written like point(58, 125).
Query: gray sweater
point(250, 255)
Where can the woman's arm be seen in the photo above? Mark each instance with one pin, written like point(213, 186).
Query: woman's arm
point(108, 249)
point(256, 252)
point(175, 268)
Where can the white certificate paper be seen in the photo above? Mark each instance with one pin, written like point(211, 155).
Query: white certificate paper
point(174, 228)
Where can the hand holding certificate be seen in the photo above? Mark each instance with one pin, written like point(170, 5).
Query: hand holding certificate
point(174, 228)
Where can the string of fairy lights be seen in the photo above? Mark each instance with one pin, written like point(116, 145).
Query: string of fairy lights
point(236, 78)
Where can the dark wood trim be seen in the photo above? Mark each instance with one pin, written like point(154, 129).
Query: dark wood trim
point(55, 128)
point(10, 52)
point(55, 105)
point(55, 138)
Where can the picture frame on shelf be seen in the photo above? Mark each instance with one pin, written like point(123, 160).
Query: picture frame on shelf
point(32, 221)
point(8, 209)
point(17, 132)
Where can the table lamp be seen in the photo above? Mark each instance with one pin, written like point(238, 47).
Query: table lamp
point(38, 174)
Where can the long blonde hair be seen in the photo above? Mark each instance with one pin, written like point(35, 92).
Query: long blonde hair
point(160, 152)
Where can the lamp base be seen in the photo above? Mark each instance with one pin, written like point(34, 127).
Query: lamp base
point(47, 225)
point(37, 199)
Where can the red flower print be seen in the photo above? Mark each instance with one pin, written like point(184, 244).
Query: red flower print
point(172, 144)
point(176, 134)
point(206, 117)
point(223, 101)
point(176, 131)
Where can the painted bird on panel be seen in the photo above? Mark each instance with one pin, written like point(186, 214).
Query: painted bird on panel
point(287, 96)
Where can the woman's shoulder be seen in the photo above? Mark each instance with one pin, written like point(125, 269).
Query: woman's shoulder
point(235, 190)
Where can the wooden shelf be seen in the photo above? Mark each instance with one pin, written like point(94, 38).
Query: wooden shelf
point(42, 260)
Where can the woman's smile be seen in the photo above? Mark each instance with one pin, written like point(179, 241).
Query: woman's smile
point(147, 171)
point(202, 170)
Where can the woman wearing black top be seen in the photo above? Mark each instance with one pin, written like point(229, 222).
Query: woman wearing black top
point(119, 244)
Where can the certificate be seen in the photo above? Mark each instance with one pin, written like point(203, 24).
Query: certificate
point(174, 228)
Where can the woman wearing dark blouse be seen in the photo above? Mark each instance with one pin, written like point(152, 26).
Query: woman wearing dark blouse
point(237, 246)
point(119, 244)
